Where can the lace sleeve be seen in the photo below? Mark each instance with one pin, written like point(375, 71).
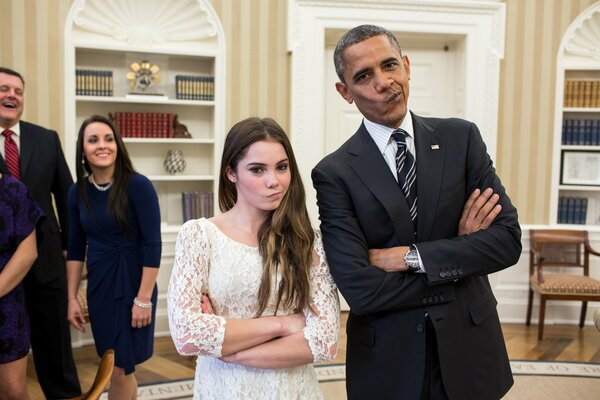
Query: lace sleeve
point(193, 332)
point(323, 322)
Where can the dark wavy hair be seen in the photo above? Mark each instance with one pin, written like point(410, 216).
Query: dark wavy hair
point(356, 35)
point(286, 237)
point(8, 71)
point(118, 196)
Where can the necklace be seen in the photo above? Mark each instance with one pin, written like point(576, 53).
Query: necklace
point(98, 187)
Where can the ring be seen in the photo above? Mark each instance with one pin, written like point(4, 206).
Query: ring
point(139, 325)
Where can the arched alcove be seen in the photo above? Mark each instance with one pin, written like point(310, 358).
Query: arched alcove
point(185, 40)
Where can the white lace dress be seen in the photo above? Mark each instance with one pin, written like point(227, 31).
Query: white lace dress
point(209, 262)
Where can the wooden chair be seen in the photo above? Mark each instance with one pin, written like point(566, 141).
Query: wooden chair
point(568, 250)
point(102, 377)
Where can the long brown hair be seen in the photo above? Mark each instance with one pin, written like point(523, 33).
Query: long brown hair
point(117, 197)
point(285, 238)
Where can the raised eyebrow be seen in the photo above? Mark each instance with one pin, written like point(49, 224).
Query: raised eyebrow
point(389, 60)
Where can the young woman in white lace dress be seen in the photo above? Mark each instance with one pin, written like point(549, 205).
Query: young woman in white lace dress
point(250, 292)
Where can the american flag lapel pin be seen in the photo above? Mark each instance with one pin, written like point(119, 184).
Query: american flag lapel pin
point(435, 147)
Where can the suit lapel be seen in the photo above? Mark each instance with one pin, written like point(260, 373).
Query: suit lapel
point(372, 170)
point(27, 145)
point(430, 162)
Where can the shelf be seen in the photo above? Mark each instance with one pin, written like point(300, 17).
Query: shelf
point(169, 228)
point(208, 52)
point(580, 188)
point(581, 110)
point(172, 141)
point(579, 147)
point(148, 100)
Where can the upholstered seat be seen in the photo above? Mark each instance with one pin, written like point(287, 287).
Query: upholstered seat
point(556, 256)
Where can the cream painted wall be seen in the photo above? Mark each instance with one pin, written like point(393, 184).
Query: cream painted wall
point(258, 78)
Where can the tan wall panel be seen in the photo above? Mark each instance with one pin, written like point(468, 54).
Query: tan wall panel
point(258, 76)
point(258, 63)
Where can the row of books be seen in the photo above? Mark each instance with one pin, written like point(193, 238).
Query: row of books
point(197, 205)
point(581, 132)
point(188, 87)
point(578, 210)
point(582, 93)
point(144, 124)
point(93, 83)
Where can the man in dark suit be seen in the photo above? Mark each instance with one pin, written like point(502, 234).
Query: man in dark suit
point(42, 167)
point(423, 322)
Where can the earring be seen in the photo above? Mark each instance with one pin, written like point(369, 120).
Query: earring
point(83, 160)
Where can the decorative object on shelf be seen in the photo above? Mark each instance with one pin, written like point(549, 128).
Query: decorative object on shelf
point(181, 131)
point(142, 77)
point(197, 205)
point(582, 93)
point(174, 162)
point(144, 124)
point(580, 168)
point(93, 83)
point(194, 87)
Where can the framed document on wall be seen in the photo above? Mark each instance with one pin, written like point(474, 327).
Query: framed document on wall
point(580, 168)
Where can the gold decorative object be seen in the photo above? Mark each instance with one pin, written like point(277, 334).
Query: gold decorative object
point(143, 76)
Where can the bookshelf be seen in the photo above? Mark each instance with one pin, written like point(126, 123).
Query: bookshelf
point(188, 43)
point(185, 39)
point(575, 198)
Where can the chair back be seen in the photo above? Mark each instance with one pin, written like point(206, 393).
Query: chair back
point(558, 248)
point(107, 364)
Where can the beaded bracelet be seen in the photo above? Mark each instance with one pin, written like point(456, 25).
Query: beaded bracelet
point(140, 304)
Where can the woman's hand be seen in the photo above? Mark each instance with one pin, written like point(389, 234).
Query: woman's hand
point(206, 305)
point(292, 323)
point(140, 317)
point(75, 316)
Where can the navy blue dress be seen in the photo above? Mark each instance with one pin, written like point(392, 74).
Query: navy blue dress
point(115, 260)
point(19, 215)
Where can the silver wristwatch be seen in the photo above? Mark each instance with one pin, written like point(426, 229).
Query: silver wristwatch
point(411, 259)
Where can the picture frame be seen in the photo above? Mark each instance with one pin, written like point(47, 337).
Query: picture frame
point(580, 167)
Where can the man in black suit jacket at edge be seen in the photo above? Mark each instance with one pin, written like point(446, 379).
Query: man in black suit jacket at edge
point(429, 329)
point(45, 172)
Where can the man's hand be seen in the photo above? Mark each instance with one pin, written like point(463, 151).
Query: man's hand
point(479, 212)
point(389, 260)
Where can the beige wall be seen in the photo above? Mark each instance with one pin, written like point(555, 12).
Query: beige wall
point(258, 76)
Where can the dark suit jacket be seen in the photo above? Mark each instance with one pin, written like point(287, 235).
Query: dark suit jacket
point(45, 172)
point(362, 207)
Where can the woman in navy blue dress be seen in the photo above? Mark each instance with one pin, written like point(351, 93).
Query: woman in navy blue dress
point(114, 223)
point(19, 216)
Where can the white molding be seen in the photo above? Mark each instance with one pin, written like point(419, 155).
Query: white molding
point(480, 23)
point(144, 23)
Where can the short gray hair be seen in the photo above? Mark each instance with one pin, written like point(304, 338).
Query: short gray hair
point(357, 35)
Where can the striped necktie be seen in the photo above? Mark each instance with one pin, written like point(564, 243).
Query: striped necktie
point(11, 154)
point(407, 172)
